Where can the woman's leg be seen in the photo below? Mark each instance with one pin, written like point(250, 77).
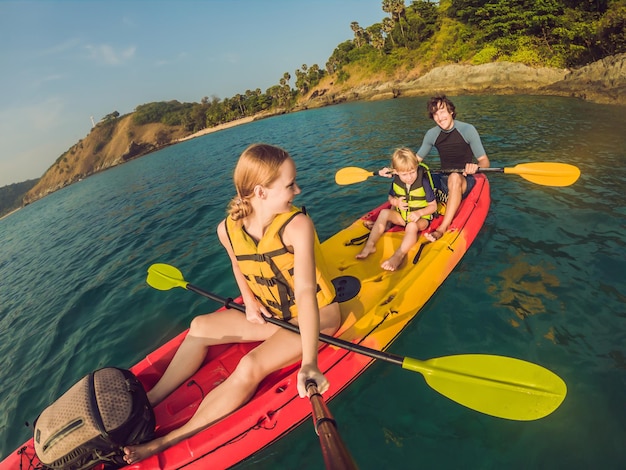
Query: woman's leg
point(280, 348)
point(224, 326)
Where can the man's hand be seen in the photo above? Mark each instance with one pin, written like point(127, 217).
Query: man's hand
point(470, 169)
point(386, 172)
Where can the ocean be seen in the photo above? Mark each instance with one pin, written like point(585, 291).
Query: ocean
point(543, 282)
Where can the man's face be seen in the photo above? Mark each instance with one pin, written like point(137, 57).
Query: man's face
point(443, 118)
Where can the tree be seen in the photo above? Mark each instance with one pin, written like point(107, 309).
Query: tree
point(397, 12)
point(387, 27)
point(359, 34)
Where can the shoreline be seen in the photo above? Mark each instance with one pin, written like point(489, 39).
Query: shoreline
point(9, 213)
point(219, 127)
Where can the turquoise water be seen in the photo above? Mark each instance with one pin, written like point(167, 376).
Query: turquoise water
point(544, 281)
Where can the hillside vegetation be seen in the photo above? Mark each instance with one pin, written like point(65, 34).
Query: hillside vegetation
point(545, 39)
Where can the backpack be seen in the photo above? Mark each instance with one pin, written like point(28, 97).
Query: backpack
point(92, 422)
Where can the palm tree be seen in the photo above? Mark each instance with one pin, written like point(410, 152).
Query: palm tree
point(358, 33)
point(387, 28)
point(396, 10)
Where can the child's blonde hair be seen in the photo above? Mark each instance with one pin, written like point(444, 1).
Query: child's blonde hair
point(404, 159)
point(259, 164)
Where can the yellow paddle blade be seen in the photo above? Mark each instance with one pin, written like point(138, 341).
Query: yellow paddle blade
point(351, 175)
point(494, 385)
point(165, 277)
point(546, 173)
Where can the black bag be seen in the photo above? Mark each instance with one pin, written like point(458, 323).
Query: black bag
point(93, 421)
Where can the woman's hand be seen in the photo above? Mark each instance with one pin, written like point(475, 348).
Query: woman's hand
point(311, 372)
point(255, 312)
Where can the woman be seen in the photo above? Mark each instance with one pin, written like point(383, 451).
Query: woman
point(273, 249)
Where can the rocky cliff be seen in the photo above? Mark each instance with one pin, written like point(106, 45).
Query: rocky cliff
point(603, 81)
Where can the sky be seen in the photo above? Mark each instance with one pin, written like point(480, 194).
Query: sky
point(63, 63)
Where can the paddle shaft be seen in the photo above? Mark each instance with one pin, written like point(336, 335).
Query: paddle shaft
point(495, 385)
point(334, 450)
point(357, 348)
point(461, 170)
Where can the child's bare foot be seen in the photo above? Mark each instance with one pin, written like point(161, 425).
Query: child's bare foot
point(139, 452)
point(366, 251)
point(394, 262)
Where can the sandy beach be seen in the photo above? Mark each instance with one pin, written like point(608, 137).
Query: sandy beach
point(219, 127)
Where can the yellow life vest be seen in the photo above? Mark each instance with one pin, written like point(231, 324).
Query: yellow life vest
point(415, 196)
point(268, 266)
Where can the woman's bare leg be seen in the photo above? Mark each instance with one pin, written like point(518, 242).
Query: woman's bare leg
point(280, 349)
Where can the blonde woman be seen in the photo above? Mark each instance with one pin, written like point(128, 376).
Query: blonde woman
point(273, 249)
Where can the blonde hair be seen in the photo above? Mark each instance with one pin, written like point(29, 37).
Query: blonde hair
point(404, 159)
point(259, 164)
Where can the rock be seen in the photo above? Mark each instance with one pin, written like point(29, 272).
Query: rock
point(137, 149)
point(603, 81)
point(496, 77)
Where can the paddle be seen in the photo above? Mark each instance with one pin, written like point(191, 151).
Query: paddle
point(335, 452)
point(547, 174)
point(495, 385)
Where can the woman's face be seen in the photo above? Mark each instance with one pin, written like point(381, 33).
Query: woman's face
point(283, 189)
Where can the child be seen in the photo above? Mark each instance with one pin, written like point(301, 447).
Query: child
point(413, 201)
point(261, 221)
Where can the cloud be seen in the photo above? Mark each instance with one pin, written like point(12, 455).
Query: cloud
point(107, 55)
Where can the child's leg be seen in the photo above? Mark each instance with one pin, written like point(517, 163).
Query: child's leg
point(411, 232)
point(385, 215)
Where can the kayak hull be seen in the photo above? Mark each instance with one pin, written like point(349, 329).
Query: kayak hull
point(384, 304)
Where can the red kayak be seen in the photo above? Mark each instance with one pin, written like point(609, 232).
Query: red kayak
point(378, 312)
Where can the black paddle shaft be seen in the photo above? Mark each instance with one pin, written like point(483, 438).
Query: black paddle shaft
point(357, 348)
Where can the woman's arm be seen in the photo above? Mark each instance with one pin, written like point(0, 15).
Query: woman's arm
point(254, 309)
point(300, 235)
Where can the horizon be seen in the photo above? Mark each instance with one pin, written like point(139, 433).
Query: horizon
point(63, 69)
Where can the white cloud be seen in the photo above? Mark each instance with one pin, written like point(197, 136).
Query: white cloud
point(107, 55)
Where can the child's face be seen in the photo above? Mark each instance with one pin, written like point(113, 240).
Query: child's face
point(407, 176)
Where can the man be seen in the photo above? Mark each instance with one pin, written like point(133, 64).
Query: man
point(458, 143)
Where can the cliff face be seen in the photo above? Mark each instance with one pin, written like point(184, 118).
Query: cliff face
point(108, 144)
point(603, 81)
